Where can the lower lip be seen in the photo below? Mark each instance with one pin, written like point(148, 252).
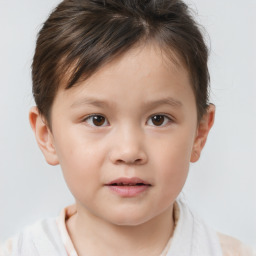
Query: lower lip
point(129, 191)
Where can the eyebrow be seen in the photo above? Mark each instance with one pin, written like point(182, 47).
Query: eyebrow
point(90, 101)
point(150, 104)
point(164, 101)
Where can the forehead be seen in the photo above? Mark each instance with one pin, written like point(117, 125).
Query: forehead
point(146, 66)
point(147, 56)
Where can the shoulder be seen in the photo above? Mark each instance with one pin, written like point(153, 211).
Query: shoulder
point(225, 245)
point(6, 248)
point(42, 238)
point(233, 247)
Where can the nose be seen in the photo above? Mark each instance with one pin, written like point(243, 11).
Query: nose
point(128, 147)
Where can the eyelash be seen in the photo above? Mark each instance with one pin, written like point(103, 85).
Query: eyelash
point(94, 115)
point(167, 120)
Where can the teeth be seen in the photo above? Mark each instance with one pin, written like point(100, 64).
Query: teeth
point(127, 184)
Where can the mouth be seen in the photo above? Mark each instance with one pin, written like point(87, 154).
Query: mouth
point(128, 187)
point(128, 182)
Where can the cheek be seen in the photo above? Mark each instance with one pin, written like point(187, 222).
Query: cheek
point(172, 174)
point(80, 162)
point(172, 162)
point(76, 150)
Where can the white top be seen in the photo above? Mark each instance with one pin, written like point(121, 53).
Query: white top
point(192, 237)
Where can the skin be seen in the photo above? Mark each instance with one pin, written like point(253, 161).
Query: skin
point(127, 93)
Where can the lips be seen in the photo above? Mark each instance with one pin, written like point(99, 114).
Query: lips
point(128, 187)
point(128, 182)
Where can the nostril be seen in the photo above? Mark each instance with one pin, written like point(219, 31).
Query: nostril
point(128, 156)
point(119, 161)
point(138, 160)
point(130, 161)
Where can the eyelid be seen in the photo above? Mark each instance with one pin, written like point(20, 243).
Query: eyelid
point(170, 119)
point(168, 116)
point(84, 120)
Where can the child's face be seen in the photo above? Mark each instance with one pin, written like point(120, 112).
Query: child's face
point(135, 118)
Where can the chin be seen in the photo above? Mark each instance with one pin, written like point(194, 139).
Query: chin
point(129, 219)
point(129, 223)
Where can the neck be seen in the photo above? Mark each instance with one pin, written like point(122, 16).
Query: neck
point(94, 236)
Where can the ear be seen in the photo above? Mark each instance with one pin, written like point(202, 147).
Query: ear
point(203, 129)
point(43, 136)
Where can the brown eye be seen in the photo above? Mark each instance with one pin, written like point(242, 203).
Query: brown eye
point(96, 120)
point(158, 120)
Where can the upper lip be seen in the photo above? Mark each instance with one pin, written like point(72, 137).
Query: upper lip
point(128, 181)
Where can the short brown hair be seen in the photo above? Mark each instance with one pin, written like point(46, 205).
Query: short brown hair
point(86, 34)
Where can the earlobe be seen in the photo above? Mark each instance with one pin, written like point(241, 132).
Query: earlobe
point(203, 129)
point(43, 136)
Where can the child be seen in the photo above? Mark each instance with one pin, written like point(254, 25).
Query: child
point(121, 88)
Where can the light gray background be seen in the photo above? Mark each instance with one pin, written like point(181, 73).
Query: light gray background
point(221, 186)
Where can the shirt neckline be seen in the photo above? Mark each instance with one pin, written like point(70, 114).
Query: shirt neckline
point(69, 211)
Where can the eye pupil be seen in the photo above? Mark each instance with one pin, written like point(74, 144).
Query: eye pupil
point(98, 120)
point(158, 120)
